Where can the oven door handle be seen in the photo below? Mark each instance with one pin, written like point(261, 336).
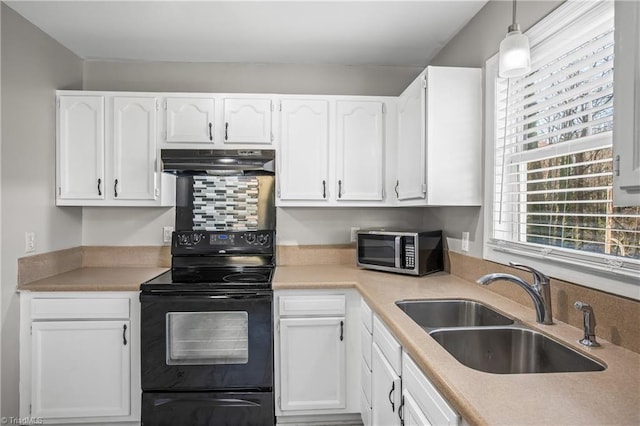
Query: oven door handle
point(213, 401)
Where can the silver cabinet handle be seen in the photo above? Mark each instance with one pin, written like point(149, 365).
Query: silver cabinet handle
point(324, 189)
point(115, 189)
point(210, 131)
point(339, 189)
point(226, 131)
point(99, 186)
point(396, 188)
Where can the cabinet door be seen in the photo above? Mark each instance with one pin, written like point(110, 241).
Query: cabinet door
point(134, 148)
point(312, 363)
point(411, 142)
point(80, 369)
point(626, 129)
point(385, 390)
point(359, 153)
point(189, 120)
point(411, 412)
point(304, 150)
point(81, 147)
point(247, 121)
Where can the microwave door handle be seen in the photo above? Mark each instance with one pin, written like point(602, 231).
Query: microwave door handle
point(397, 251)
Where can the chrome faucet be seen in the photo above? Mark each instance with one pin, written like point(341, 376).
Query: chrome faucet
point(589, 321)
point(540, 290)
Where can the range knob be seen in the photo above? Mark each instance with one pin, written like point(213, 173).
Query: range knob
point(183, 239)
point(263, 239)
point(250, 237)
point(196, 238)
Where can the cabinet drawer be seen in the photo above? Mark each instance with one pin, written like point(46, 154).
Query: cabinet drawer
point(387, 344)
point(312, 305)
point(366, 339)
point(431, 403)
point(79, 308)
point(365, 374)
point(367, 315)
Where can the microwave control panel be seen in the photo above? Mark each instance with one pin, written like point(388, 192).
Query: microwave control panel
point(409, 253)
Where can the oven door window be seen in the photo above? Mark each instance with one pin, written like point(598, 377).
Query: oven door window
point(206, 338)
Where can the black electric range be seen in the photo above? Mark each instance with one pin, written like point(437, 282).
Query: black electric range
point(207, 332)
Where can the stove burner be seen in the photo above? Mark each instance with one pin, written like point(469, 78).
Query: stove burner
point(245, 277)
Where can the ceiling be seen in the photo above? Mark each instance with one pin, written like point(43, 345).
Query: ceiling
point(404, 33)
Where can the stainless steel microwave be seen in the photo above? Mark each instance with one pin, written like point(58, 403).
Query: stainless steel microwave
point(403, 252)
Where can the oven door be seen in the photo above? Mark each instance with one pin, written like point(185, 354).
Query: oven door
point(208, 341)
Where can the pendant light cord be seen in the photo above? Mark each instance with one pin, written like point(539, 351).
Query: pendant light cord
point(514, 12)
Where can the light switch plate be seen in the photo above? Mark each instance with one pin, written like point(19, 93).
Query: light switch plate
point(166, 234)
point(465, 241)
point(29, 242)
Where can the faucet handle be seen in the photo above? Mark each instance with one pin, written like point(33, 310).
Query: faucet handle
point(538, 277)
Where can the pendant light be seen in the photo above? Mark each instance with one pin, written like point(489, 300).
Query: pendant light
point(515, 59)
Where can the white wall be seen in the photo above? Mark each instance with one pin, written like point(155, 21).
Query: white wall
point(471, 47)
point(33, 67)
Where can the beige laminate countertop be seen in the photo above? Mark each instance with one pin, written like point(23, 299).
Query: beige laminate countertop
point(610, 397)
point(96, 279)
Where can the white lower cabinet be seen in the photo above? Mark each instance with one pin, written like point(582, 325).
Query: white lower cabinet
point(65, 356)
point(422, 404)
point(80, 357)
point(317, 350)
point(400, 393)
point(386, 370)
point(386, 389)
point(312, 351)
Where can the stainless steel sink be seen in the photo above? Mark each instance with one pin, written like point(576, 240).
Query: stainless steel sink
point(432, 314)
point(512, 350)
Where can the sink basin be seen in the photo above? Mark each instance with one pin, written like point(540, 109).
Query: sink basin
point(432, 314)
point(512, 350)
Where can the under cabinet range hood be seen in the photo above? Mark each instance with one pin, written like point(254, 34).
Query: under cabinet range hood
point(218, 161)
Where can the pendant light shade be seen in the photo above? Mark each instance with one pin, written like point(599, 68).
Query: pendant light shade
point(515, 59)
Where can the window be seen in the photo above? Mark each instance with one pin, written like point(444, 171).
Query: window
point(551, 162)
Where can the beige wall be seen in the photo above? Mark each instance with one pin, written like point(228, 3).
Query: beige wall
point(33, 66)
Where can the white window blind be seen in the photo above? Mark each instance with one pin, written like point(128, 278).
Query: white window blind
point(553, 157)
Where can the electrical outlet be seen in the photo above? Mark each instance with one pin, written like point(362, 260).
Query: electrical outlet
point(465, 241)
point(354, 233)
point(29, 242)
point(166, 234)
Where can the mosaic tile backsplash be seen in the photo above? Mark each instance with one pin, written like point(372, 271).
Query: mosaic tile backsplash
point(222, 203)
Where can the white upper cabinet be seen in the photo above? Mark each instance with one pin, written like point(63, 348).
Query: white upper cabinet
point(189, 120)
point(304, 150)
point(440, 139)
point(626, 129)
point(332, 150)
point(247, 120)
point(134, 148)
point(359, 150)
point(107, 151)
point(411, 168)
point(80, 171)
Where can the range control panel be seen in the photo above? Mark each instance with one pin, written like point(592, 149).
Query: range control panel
point(206, 242)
